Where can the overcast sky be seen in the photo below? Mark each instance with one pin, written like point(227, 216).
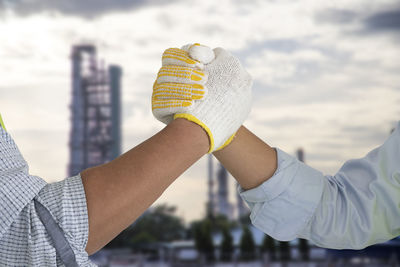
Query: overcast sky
point(326, 73)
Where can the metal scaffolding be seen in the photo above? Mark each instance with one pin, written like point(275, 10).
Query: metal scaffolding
point(95, 136)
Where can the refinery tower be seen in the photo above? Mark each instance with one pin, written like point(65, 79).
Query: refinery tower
point(95, 136)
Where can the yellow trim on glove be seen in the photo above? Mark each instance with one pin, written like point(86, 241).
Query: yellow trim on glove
point(192, 118)
point(195, 44)
point(178, 54)
point(2, 123)
point(181, 72)
point(227, 142)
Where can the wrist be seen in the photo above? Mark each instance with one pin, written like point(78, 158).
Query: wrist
point(191, 134)
point(195, 120)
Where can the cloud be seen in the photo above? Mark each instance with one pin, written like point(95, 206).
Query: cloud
point(383, 21)
point(336, 16)
point(319, 84)
point(362, 21)
point(283, 45)
point(86, 9)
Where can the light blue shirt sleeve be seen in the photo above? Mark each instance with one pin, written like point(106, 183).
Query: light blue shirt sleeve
point(357, 207)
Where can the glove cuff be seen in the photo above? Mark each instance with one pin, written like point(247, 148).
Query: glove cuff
point(192, 118)
point(227, 142)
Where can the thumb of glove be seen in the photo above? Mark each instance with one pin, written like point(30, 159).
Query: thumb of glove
point(201, 53)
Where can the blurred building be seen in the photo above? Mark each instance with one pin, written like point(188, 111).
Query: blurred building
point(242, 209)
point(218, 198)
point(95, 136)
point(211, 197)
point(223, 206)
point(300, 154)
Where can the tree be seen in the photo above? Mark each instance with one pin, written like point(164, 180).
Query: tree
point(269, 247)
point(203, 239)
point(159, 224)
point(220, 222)
point(247, 245)
point(304, 249)
point(284, 251)
point(226, 245)
point(142, 239)
point(245, 219)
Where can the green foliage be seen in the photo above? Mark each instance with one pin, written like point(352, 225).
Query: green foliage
point(269, 247)
point(247, 245)
point(284, 251)
point(220, 222)
point(304, 249)
point(245, 219)
point(203, 239)
point(159, 224)
point(201, 231)
point(142, 239)
point(226, 245)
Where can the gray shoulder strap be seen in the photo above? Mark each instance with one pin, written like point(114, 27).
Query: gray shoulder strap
point(61, 244)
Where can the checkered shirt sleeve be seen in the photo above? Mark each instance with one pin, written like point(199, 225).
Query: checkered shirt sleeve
point(23, 238)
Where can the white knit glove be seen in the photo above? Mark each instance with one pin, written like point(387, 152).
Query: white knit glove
point(208, 87)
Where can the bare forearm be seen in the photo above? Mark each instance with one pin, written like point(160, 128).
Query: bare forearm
point(249, 159)
point(119, 192)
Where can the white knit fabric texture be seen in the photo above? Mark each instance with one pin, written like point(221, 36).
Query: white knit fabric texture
point(201, 53)
point(229, 97)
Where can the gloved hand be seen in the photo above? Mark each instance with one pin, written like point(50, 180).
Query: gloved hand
point(208, 87)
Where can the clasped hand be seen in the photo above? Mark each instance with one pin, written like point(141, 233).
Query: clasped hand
point(208, 87)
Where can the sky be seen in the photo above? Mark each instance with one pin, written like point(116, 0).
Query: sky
point(325, 74)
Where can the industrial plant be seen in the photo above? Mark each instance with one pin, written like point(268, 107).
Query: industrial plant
point(95, 136)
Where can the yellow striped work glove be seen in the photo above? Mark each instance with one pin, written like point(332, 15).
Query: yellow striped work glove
point(180, 82)
point(208, 87)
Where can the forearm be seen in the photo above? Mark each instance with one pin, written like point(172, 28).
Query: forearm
point(119, 192)
point(353, 209)
point(250, 160)
point(360, 203)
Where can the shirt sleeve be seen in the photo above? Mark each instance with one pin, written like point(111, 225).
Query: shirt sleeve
point(66, 202)
point(17, 186)
point(357, 207)
point(2, 123)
